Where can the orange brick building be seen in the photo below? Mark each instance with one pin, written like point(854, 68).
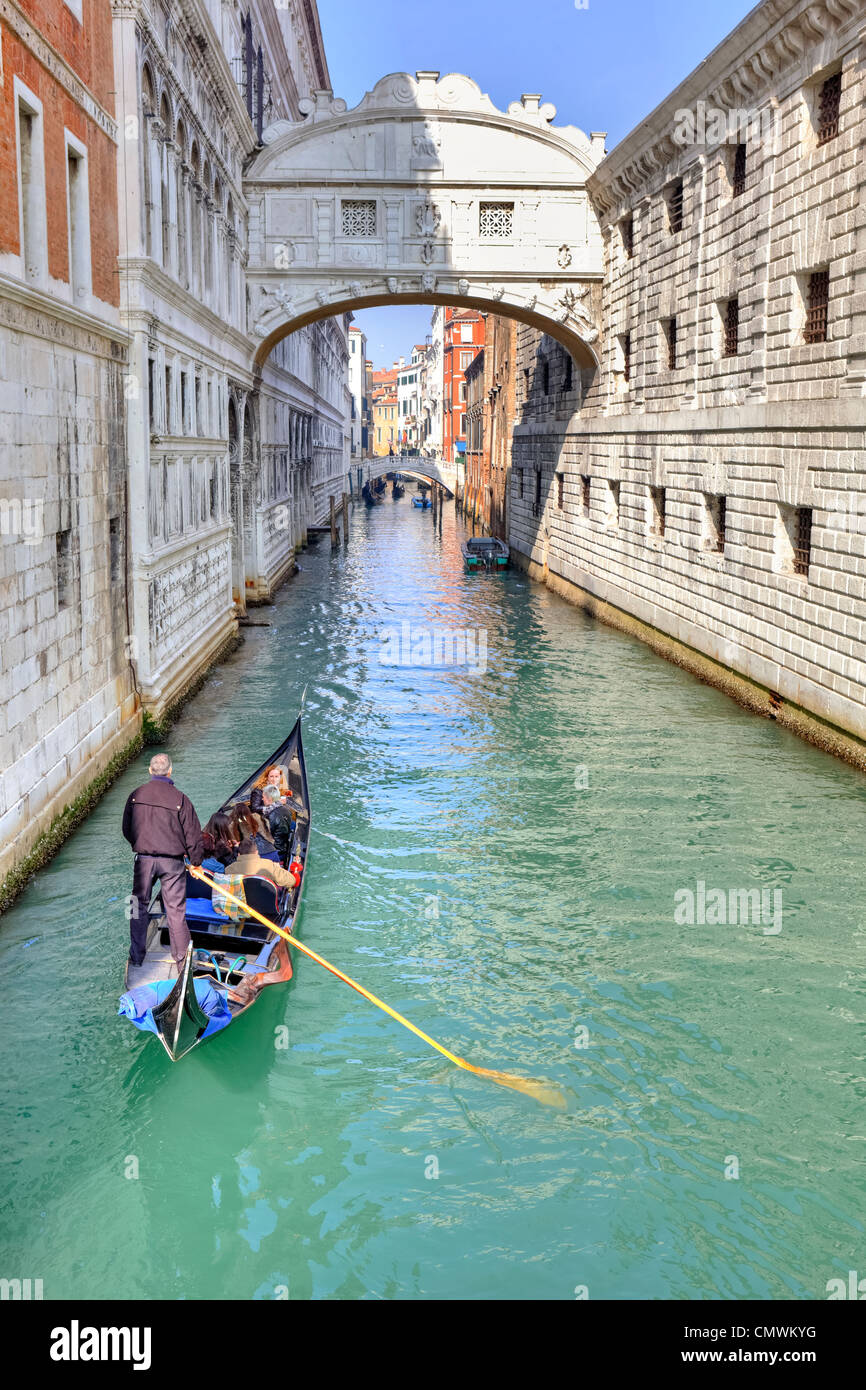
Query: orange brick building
point(463, 337)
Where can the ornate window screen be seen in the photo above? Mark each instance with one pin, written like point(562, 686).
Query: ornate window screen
point(359, 217)
point(496, 221)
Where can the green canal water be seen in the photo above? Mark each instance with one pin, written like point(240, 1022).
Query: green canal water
point(497, 853)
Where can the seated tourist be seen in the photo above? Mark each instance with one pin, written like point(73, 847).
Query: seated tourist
point(245, 823)
point(280, 820)
point(220, 842)
point(249, 861)
point(274, 776)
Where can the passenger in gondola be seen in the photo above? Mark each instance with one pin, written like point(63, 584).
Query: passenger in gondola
point(274, 776)
point(161, 825)
point(246, 823)
point(220, 843)
point(249, 861)
point(280, 821)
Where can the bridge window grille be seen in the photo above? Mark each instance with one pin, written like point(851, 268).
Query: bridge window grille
point(657, 511)
point(732, 327)
point(675, 207)
point(738, 181)
point(828, 109)
point(496, 221)
point(815, 330)
point(359, 217)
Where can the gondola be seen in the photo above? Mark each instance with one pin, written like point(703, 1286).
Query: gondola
point(422, 501)
point(484, 552)
point(229, 962)
point(397, 491)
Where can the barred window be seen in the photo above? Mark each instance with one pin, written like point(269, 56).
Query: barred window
point(732, 327)
point(520, 482)
point(675, 207)
point(625, 342)
point(802, 539)
point(626, 227)
point(585, 487)
point(496, 220)
point(536, 502)
point(817, 300)
point(657, 511)
point(560, 490)
point(359, 217)
point(567, 373)
point(738, 181)
point(613, 503)
point(828, 108)
point(669, 327)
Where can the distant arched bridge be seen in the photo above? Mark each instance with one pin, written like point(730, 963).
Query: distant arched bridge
point(430, 470)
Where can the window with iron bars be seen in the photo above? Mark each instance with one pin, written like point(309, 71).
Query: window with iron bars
point(560, 490)
point(802, 539)
point(817, 302)
point(738, 178)
point(669, 327)
point(828, 108)
point(626, 228)
point(732, 328)
point(536, 501)
point(675, 207)
point(496, 221)
point(657, 511)
point(520, 482)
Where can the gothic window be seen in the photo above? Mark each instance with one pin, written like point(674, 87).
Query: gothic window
point(359, 217)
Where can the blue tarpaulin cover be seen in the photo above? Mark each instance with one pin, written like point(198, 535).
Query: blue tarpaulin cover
point(138, 1005)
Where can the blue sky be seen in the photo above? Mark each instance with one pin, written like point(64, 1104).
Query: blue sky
point(604, 68)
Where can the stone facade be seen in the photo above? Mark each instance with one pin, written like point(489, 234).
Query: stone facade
point(704, 486)
point(67, 700)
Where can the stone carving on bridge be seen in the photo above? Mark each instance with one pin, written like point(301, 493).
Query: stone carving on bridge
point(428, 218)
point(463, 288)
point(428, 282)
point(392, 284)
point(565, 257)
point(572, 307)
point(428, 252)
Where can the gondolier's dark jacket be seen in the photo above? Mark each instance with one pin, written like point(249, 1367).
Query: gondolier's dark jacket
point(159, 819)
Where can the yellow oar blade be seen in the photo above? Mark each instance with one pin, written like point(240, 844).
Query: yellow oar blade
point(541, 1091)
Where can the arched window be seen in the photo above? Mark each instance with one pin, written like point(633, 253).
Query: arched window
point(182, 210)
point(164, 180)
point(230, 257)
point(207, 233)
point(195, 220)
point(148, 110)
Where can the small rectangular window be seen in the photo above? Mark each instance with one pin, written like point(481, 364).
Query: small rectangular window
point(817, 303)
point(802, 539)
point(168, 400)
point(184, 403)
point(199, 422)
point(496, 221)
point(359, 217)
point(675, 207)
point(63, 576)
point(626, 228)
point(560, 490)
point(732, 327)
point(669, 327)
point(657, 511)
point(715, 517)
point(613, 503)
point(520, 482)
point(78, 218)
point(828, 108)
point(536, 501)
point(794, 539)
point(738, 178)
point(567, 374)
point(545, 378)
point(151, 393)
point(115, 538)
point(585, 493)
point(625, 344)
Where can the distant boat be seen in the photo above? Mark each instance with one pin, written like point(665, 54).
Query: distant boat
point(230, 959)
point(397, 491)
point(484, 552)
point(423, 502)
point(371, 498)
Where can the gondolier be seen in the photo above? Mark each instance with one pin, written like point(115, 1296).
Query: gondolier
point(161, 825)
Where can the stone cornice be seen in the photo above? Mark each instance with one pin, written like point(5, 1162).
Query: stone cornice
point(42, 302)
point(147, 273)
point(18, 23)
point(736, 75)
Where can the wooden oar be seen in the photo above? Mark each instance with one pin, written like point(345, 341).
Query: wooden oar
point(539, 1090)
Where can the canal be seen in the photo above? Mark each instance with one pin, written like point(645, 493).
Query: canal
point(503, 847)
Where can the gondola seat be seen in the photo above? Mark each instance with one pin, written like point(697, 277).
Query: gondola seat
point(260, 894)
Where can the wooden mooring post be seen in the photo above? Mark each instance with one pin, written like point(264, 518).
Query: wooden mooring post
point(333, 520)
point(345, 519)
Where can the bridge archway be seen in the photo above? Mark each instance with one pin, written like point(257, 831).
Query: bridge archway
point(426, 470)
point(425, 193)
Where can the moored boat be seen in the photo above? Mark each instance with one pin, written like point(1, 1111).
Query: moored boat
point(484, 552)
point(422, 501)
point(232, 957)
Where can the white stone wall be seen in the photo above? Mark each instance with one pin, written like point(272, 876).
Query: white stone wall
point(778, 426)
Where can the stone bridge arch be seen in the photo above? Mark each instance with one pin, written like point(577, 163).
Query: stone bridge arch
point(425, 193)
point(427, 469)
